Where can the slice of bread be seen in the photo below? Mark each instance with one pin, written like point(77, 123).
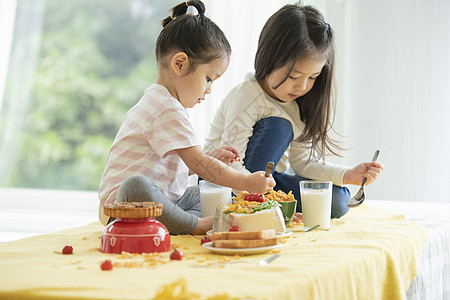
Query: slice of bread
point(244, 243)
point(244, 235)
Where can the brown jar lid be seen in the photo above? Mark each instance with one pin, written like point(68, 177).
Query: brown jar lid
point(133, 210)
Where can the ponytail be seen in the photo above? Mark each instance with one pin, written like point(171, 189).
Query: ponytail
point(196, 35)
point(181, 9)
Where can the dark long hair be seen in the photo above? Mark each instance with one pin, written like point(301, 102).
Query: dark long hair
point(196, 35)
point(292, 33)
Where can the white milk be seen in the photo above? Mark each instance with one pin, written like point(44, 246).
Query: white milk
point(316, 208)
point(212, 196)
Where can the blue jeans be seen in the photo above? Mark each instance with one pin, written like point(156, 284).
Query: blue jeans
point(271, 137)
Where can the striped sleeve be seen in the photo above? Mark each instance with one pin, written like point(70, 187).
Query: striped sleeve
point(170, 131)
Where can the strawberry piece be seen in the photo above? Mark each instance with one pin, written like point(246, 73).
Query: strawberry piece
point(67, 249)
point(176, 255)
point(205, 240)
point(254, 197)
point(234, 228)
point(107, 265)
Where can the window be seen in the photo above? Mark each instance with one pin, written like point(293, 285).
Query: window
point(75, 69)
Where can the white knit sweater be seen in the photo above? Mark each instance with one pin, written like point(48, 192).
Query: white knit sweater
point(246, 104)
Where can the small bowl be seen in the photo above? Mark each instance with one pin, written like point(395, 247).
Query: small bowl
point(135, 235)
point(288, 209)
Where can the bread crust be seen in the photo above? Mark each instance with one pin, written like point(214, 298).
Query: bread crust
point(244, 243)
point(244, 239)
point(244, 235)
point(133, 210)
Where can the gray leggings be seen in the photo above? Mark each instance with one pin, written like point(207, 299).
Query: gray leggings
point(180, 217)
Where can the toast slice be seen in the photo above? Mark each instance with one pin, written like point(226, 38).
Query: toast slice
point(244, 243)
point(244, 235)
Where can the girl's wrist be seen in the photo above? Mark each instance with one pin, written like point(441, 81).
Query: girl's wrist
point(203, 225)
point(345, 177)
point(246, 182)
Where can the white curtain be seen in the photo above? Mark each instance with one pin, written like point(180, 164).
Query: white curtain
point(7, 17)
point(27, 34)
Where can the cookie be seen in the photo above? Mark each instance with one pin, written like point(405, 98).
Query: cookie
point(133, 210)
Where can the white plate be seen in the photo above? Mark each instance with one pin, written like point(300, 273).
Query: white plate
point(245, 251)
point(288, 232)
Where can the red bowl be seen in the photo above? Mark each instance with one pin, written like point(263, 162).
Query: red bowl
point(141, 235)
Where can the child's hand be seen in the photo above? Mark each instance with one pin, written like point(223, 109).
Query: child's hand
point(203, 225)
point(298, 217)
point(370, 170)
point(258, 183)
point(225, 154)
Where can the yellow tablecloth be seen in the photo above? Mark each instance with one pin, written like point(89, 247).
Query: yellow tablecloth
point(367, 254)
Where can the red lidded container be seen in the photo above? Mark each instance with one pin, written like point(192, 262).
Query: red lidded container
point(135, 229)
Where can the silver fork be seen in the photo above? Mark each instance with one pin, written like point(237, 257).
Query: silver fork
point(359, 197)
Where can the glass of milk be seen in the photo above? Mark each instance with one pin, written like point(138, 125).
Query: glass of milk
point(316, 203)
point(211, 196)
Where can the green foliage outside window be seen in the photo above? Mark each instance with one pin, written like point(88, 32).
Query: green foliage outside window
point(95, 60)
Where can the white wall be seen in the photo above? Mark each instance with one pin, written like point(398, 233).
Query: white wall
point(394, 92)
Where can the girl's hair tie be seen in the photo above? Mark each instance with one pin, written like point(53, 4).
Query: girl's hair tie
point(187, 4)
point(327, 26)
point(171, 16)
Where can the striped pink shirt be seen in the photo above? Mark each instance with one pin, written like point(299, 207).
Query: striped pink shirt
point(156, 126)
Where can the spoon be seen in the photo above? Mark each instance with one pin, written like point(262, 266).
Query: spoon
point(269, 169)
point(359, 197)
point(312, 228)
point(268, 260)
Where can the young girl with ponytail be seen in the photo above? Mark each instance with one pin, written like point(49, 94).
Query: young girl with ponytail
point(156, 148)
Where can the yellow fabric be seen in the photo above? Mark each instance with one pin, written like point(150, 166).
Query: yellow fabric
point(367, 254)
